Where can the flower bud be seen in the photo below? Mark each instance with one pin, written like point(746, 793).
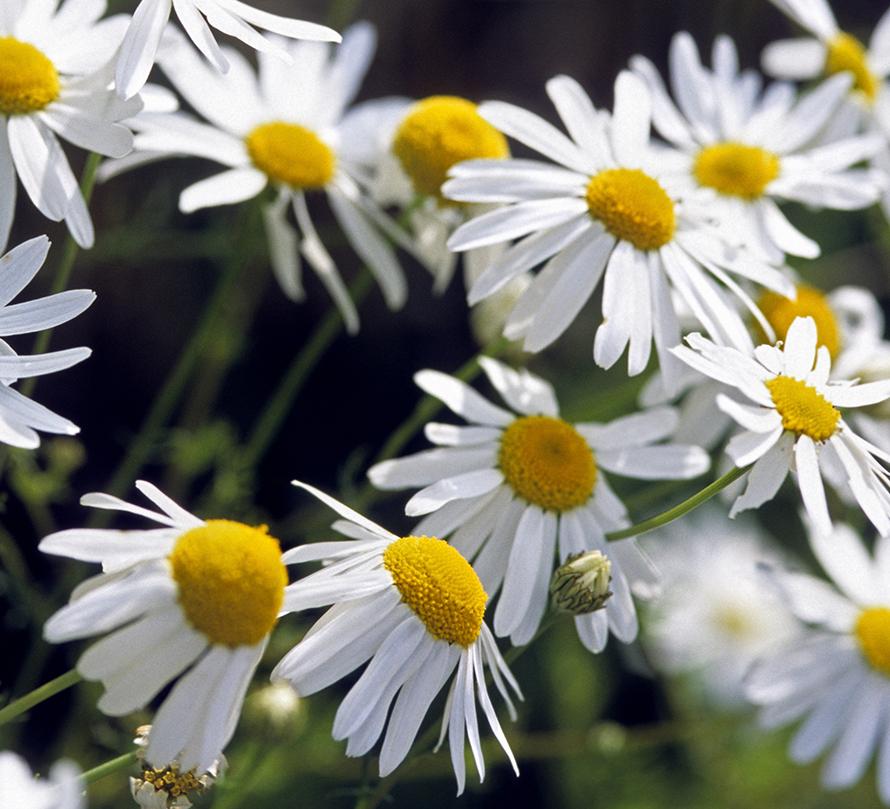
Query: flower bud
point(581, 584)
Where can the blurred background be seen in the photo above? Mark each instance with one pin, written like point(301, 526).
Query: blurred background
point(593, 732)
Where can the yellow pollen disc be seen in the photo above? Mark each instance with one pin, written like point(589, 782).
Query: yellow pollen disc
point(28, 79)
point(633, 206)
point(781, 311)
point(172, 781)
point(231, 581)
point(438, 132)
point(803, 409)
point(846, 53)
point(547, 462)
point(873, 633)
point(735, 169)
point(439, 585)
point(291, 154)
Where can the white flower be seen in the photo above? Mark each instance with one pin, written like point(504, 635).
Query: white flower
point(191, 601)
point(715, 615)
point(511, 488)
point(751, 147)
point(795, 423)
point(837, 674)
point(140, 45)
point(607, 211)
point(21, 418)
point(290, 127)
point(413, 609)
point(19, 789)
point(54, 82)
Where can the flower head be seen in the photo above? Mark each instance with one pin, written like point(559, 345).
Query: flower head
point(414, 608)
point(193, 601)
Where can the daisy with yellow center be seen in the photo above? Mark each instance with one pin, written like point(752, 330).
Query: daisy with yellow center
point(794, 422)
point(289, 127)
point(835, 672)
point(751, 150)
point(54, 84)
point(611, 210)
point(519, 492)
point(192, 602)
point(413, 609)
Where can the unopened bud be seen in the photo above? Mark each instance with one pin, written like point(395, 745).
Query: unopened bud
point(581, 584)
point(166, 787)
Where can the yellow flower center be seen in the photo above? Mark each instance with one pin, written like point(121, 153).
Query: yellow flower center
point(873, 633)
point(231, 581)
point(291, 154)
point(547, 462)
point(438, 132)
point(28, 79)
point(810, 302)
point(172, 781)
point(633, 206)
point(735, 169)
point(439, 585)
point(803, 409)
point(846, 53)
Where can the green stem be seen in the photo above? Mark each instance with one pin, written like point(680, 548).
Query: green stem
point(683, 508)
point(38, 695)
point(66, 264)
point(269, 423)
point(109, 767)
point(165, 402)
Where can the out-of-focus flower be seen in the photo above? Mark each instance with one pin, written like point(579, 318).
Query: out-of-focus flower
point(837, 673)
point(513, 487)
point(415, 609)
point(143, 36)
point(20, 789)
point(289, 127)
point(609, 210)
point(715, 614)
point(167, 786)
point(192, 602)
point(794, 422)
point(751, 148)
point(55, 83)
point(21, 418)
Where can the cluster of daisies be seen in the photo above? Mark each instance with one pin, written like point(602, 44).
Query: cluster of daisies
point(671, 204)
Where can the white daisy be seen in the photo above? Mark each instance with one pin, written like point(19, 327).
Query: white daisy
point(20, 789)
point(21, 418)
point(752, 147)
point(837, 674)
point(191, 601)
point(54, 82)
point(289, 127)
point(715, 615)
point(795, 423)
point(232, 17)
point(513, 486)
point(414, 608)
point(608, 210)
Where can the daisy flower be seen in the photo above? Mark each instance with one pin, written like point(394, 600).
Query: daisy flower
point(517, 484)
point(793, 422)
point(20, 418)
point(143, 36)
point(288, 127)
point(189, 601)
point(836, 674)
point(413, 609)
point(749, 147)
point(607, 211)
point(54, 84)
point(21, 789)
point(715, 614)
